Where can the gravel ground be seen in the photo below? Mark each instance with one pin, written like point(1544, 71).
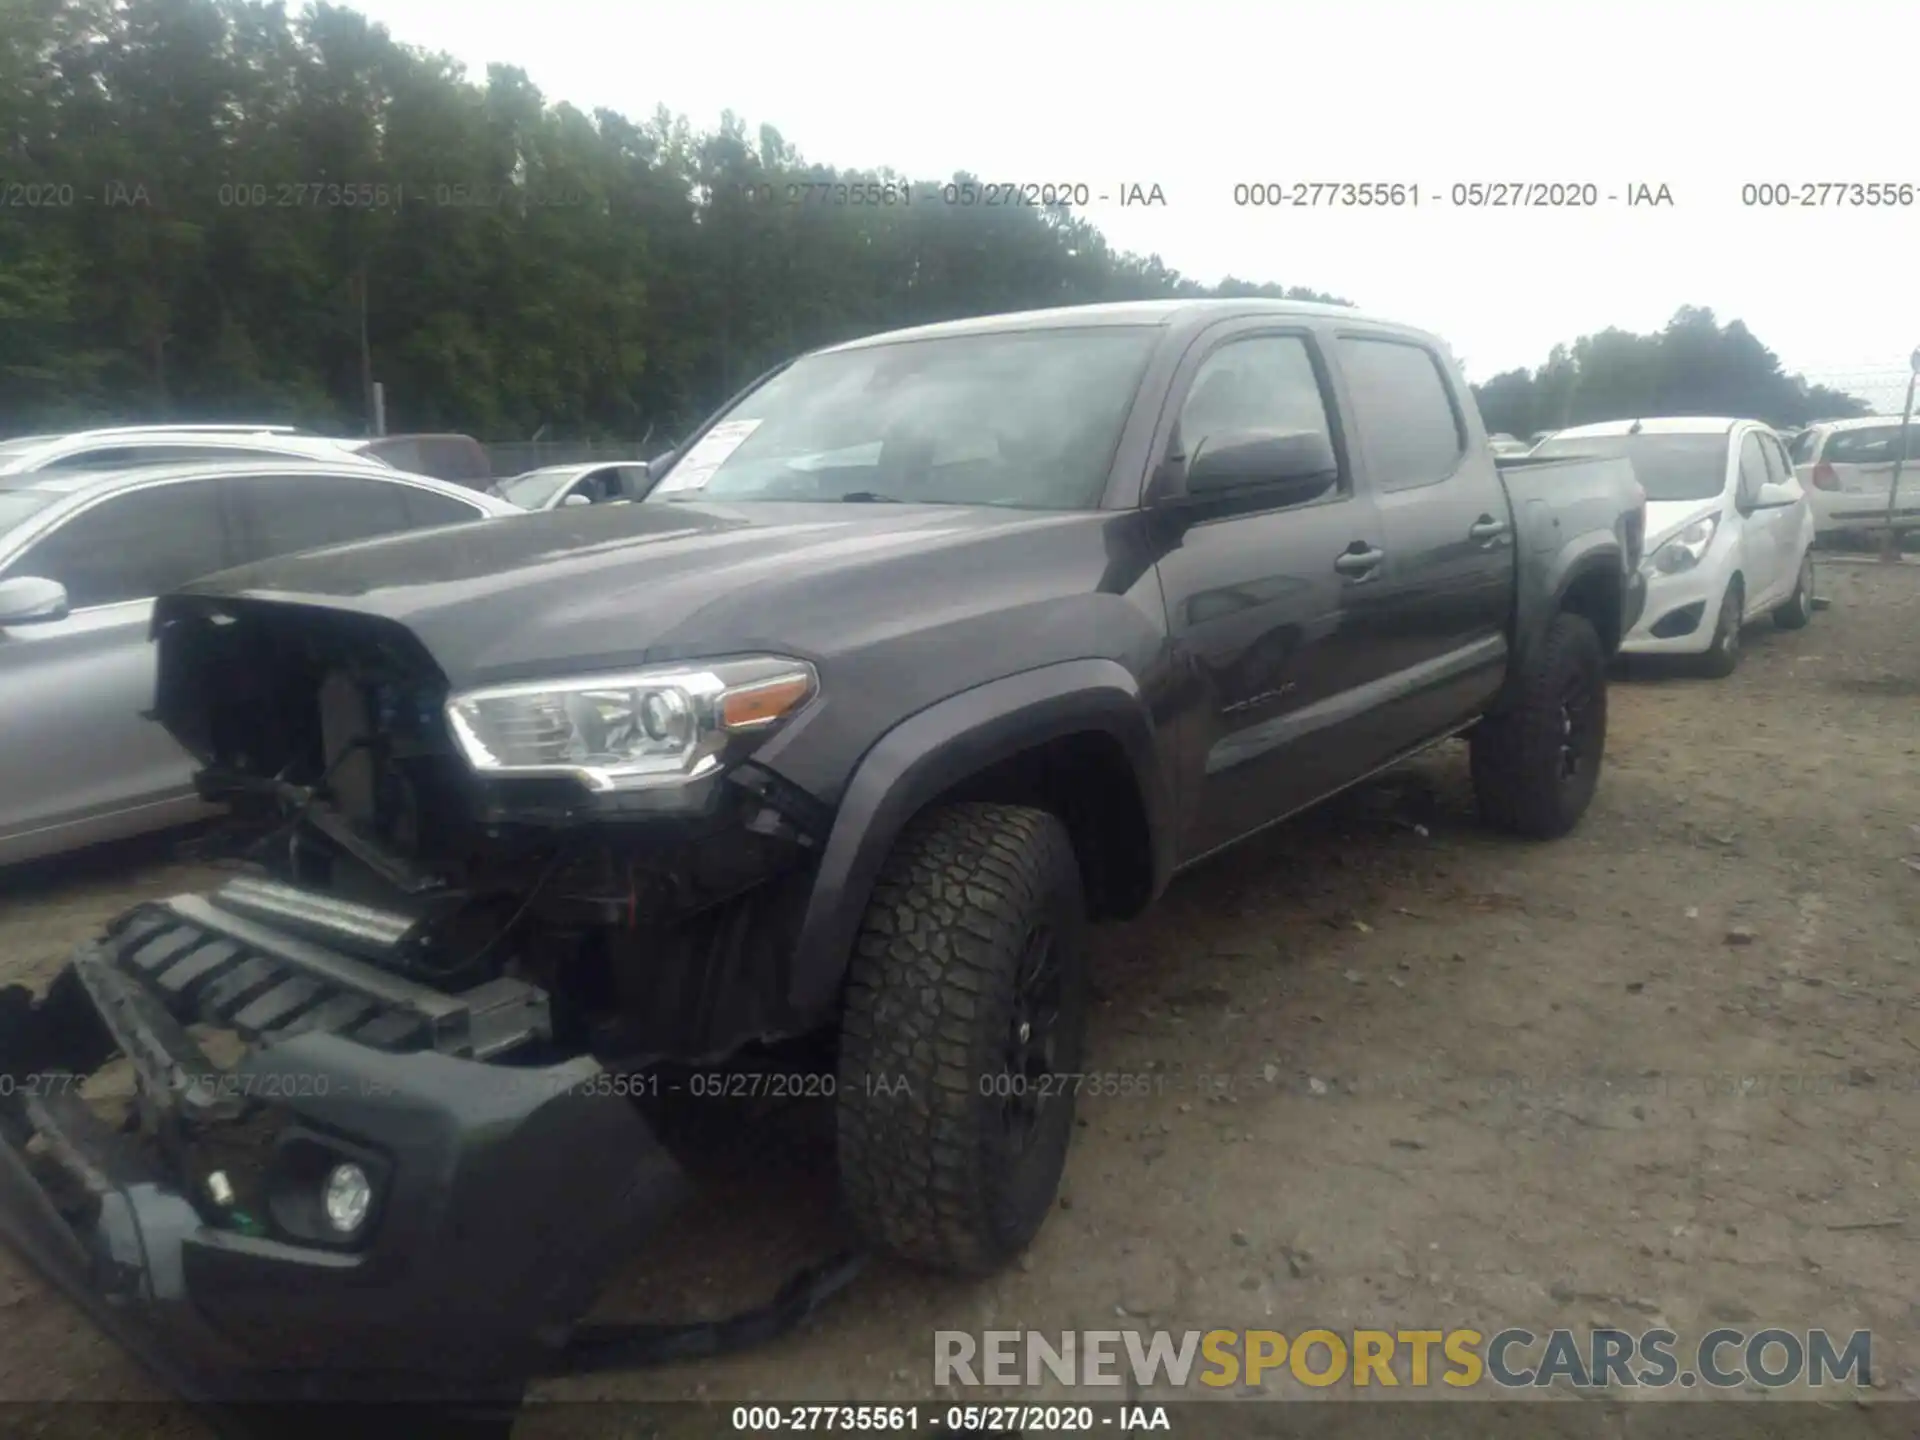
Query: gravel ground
point(1659, 1072)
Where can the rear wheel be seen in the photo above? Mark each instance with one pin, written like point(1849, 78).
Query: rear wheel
point(1536, 764)
point(1723, 655)
point(966, 1004)
point(1798, 609)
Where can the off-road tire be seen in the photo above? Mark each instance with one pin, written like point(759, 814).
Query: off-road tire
point(1519, 754)
point(1723, 651)
point(1797, 609)
point(927, 1169)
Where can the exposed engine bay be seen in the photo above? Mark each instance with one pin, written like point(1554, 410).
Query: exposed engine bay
point(652, 929)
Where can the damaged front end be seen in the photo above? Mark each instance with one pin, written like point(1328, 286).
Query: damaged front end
point(354, 1113)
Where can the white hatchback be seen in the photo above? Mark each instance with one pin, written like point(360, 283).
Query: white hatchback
point(1729, 531)
point(1847, 467)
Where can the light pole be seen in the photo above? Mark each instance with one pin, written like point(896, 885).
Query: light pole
point(1890, 547)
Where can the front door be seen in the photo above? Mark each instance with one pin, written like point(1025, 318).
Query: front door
point(1266, 607)
point(1780, 506)
point(77, 746)
point(1759, 549)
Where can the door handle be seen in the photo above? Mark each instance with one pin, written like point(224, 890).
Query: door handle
point(1359, 561)
point(1487, 528)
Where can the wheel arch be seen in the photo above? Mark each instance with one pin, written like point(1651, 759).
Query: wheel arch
point(1074, 737)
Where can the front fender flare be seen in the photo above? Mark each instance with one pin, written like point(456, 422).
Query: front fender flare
point(935, 749)
point(1546, 596)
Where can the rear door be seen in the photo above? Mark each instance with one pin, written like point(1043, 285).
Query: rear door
point(76, 746)
point(1267, 607)
point(1447, 589)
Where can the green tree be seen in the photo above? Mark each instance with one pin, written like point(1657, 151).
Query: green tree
point(1695, 366)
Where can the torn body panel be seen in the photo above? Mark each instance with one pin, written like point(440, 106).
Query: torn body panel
point(658, 922)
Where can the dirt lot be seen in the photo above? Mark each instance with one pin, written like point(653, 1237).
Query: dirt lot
point(1663, 1071)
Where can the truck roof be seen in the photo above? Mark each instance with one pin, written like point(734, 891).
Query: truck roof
point(1171, 314)
point(1655, 425)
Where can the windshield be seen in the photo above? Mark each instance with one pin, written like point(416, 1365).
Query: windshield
point(17, 505)
point(1028, 419)
point(1668, 467)
point(533, 489)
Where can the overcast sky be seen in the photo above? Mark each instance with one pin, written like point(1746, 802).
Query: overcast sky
point(1198, 96)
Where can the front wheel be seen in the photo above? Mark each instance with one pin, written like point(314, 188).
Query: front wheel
point(1798, 607)
point(1723, 653)
point(1536, 764)
point(962, 1032)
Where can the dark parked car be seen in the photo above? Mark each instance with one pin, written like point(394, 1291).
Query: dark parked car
point(924, 653)
point(459, 458)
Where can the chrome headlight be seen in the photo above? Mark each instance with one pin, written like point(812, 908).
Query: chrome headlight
point(628, 731)
point(1688, 548)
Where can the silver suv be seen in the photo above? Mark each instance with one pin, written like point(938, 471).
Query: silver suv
point(82, 555)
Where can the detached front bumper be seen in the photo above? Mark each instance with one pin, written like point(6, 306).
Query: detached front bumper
point(502, 1194)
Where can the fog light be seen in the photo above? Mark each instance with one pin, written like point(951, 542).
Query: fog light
point(349, 1195)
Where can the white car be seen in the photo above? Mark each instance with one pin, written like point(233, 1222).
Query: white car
point(1847, 467)
point(125, 447)
point(601, 483)
point(1729, 531)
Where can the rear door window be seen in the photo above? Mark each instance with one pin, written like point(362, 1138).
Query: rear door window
point(1410, 429)
point(282, 514)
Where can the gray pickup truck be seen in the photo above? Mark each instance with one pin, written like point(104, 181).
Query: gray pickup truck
point(923, 653)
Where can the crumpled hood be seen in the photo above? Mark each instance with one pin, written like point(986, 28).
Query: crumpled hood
point(593, 587)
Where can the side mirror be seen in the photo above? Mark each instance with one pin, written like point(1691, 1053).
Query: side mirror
point(576, 500)
point(1776, 494)
point(1288, 466)
point(31, 600)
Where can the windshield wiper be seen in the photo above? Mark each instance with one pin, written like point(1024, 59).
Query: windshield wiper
point(870, 497)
